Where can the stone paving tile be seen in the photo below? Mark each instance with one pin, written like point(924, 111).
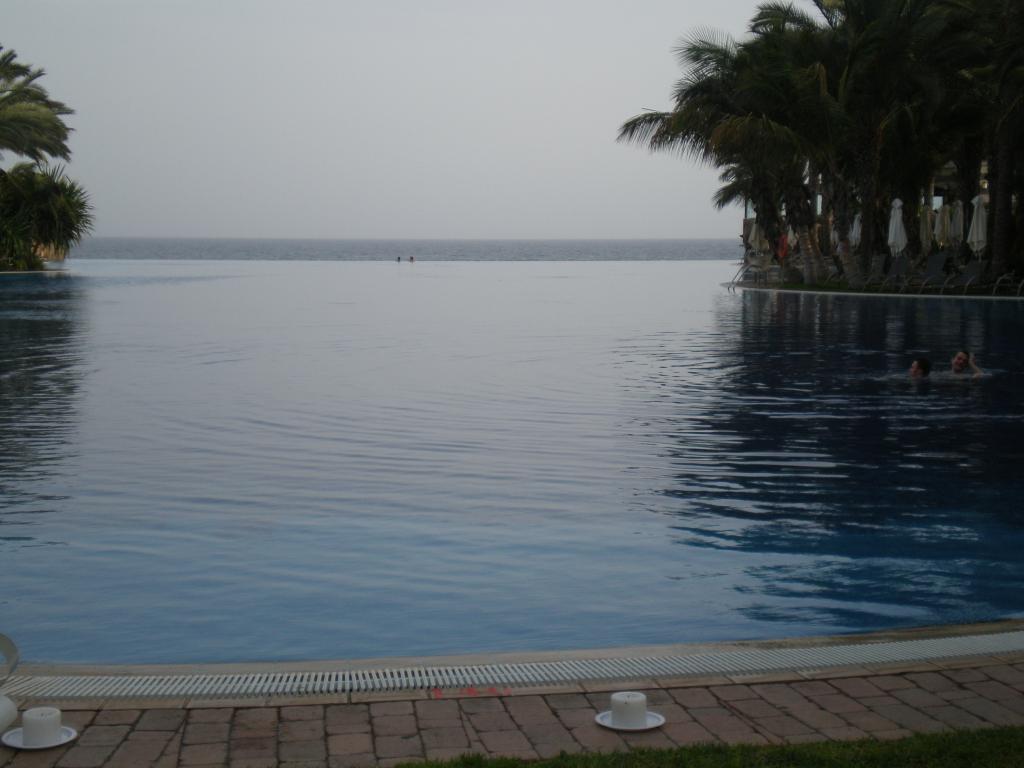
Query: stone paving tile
point(492, 721)
point(203, 754)
point(545, 751)
point(253, 762)
point(869, 721)
point(732, 692)
point(300, 730)
point(991, 711)
point(781, 695)
point(253, 748)
point(955, 717)
point(44, 759)
point(880, 701)
point(1005, 673)
point(161, 720)
point(908, 717)
point(394, 725)
point(503, 742)
point(350, 744)
point(443, 710)
point(444, 738)
point(306, 712)
point(755, 708)
point(211, 715)
point(391, 708)
point(1017, 704)
point(594, 738)
point(838, 703)
point(890, 682)
point(783, 726)
point(348, 718)
point(102, 735)
point(296, 751)
point(816, 717)
point(648, 740)
point(205, 733)
point(692, 732)
point(931, 681)
point(530, 709)
point(721, 722)
point(956, 693)
point(82, 756)
point(398, 746)
point(673, 713)
point(857, 687)
point(993, 690)
point(567, 701)
point(117, 717)
point(358, 761)
point(577, 718)
point(918, 697)
point(132, 754)
point(694, 697)
point(813, 688)
point(965, 675)
point(488, 704)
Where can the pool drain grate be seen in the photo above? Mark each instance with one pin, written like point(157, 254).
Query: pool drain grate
point(539, 673)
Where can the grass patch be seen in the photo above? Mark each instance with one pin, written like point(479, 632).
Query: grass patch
point(995, 748)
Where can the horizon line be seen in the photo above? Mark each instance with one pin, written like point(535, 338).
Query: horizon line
point(407, 239)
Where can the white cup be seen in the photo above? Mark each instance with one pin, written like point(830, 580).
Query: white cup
point(629, 710)
point(40, 727)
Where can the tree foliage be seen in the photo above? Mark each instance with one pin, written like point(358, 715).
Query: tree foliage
point(42, 212)
point(862, 101)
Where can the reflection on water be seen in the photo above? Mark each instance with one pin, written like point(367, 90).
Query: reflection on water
point(40, 329)
point(804, 438)
point(232, 460)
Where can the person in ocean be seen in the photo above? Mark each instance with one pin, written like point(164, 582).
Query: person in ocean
point(920, 368)
point(963, 362)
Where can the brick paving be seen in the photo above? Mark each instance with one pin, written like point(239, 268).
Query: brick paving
point(385, 730)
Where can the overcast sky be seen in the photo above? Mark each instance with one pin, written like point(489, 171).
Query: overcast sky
point(373, 118)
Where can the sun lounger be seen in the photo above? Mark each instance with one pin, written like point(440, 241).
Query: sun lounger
point(934, 273)
point(971, 276)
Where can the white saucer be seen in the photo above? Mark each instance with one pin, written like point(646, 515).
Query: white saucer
point(654, 720)
point(13, 738)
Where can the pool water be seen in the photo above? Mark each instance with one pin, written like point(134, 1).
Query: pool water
point(257, 460)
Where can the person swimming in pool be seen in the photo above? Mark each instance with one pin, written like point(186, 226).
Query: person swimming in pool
point(964, 363)
point(920, 368)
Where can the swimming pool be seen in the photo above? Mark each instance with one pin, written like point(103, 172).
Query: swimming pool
point(226, 461)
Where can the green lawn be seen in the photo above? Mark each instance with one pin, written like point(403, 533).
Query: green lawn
point(995, 748)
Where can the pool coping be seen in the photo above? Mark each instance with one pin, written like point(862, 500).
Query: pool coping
point(875, 294)
point(454, 676)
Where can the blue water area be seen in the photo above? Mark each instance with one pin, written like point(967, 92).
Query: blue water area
point(259, 460)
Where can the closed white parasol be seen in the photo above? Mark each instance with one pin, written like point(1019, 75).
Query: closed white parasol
point(926, 228)
point(956, 224)
point(977, 237)
point(942, 226)
point(897, 239)
point(854, 235)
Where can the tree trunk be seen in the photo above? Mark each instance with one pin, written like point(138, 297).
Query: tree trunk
point(1001, 201)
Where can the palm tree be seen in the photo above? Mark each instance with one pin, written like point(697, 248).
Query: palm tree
point(31, 123)
point(43, 214)
point(731, 111)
